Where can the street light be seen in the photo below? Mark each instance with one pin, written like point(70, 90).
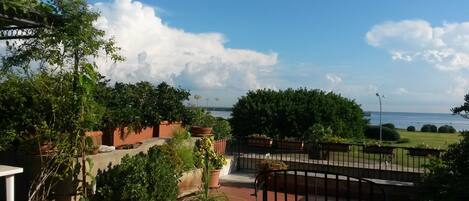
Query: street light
point(380, 114)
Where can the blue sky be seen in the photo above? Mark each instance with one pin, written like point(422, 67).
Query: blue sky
point(405, 50)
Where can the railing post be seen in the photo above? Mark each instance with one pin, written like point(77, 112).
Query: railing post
point(238, 154)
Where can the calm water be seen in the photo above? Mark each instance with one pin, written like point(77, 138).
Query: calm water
point(404, 119)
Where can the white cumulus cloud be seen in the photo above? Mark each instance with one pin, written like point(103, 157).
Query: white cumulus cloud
point(446, 47)
point(155, 51)
point(333, 78)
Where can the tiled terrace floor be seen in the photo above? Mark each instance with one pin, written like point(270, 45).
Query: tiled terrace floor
point(240, 187)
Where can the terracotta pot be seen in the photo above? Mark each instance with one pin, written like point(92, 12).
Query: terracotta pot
point(424, 152)
point(292, 145)
point(214, 179)
point(220, 146)
point(338, 147)
point(166, 129)
point(96, 136)
point(199, 131)
point(122, 136)
point(375, 149)
point(260, 142)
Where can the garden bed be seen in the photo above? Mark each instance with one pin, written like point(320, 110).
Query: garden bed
point(290, 144)
point(424, 152)
point(259, 142)
point(338, 147)
point(375, 149)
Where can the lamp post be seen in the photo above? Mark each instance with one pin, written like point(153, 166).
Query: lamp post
point(380, 123)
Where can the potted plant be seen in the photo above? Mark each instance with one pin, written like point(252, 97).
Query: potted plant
point(259, 140)
point(222, 133)
point(312, 137)
point(202, 123)
point(378, 148)
point(265, 168)
point(334, 143)
point(205, 156)
point(424, 150)
point(291, 143)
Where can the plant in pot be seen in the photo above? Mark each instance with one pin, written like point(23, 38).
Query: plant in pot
point(202, 123)
point(292, 143)
point(259, 140)
point(330, 142)
point(312, 137)
point(424, 150)
point(265, 168)
point(206, 157)
point(378, 148)
point(222, 133)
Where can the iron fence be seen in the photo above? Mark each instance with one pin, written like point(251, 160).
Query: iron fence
point(358, 160)
point(308, 185)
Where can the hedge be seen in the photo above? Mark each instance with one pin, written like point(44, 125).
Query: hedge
point(387, 133)
point(446, 129)
point(429, 128)
point(289, 113)
point(411, 128)
point(389, 125)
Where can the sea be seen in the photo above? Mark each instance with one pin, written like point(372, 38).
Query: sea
point(401, 119)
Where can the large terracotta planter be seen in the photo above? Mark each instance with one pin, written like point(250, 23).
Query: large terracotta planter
point(375, 149)
point(260, 142)
point(199, 131)
point(96, 136)
point(220, 146)
point(214, 179)
point(166, 129)
point(424, 152)
point(122, 136)
point(190, 182)
point(338, 147)
point(292, 145)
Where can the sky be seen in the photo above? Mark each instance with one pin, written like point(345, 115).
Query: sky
point(415, 53)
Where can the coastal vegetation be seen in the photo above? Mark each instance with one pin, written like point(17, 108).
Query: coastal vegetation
point(291, 112)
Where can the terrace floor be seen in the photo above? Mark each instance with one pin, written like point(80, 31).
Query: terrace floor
point(240, 187)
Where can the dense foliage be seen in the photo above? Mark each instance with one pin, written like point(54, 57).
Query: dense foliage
point(411, 128)
point(389, 125)
point(151, 177)
point(221, 127)
point(429, 128)
point(446, 129)
point(62, 46)
point(291, 112)
point(448, 178)
point(387, 133)
point(142, 104)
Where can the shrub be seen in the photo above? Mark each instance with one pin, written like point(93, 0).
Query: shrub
point(290, 113)
point(151, 176)
point(389, 125)
point(447, 178)
point(403, 140)
point(429, 128)
point(387, 133)
point(411, 128)
point(183, 148)
point(221, 129)
point(446, 129)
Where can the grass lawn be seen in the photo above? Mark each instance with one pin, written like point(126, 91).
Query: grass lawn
point(441, 140)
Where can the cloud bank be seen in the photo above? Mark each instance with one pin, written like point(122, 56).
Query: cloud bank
point(445, 47)
point(155, 52)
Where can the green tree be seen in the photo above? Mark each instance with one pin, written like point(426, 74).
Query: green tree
point(68, 46)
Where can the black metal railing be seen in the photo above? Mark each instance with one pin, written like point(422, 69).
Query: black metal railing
point(296, 185)
point(358, 160)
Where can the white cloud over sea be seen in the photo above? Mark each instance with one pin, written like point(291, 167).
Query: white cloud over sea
point(445, 47)
point(155, 52)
